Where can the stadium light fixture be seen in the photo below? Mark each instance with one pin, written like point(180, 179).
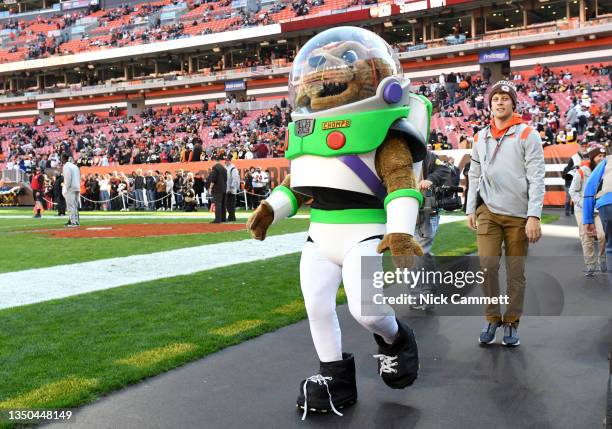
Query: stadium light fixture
point(264, 43)
point(412, 21)
point(282, 41)
point(388, 24)
point(215, 49)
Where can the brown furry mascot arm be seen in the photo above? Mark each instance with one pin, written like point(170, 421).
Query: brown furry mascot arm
point(263, 216)
point(394, 166)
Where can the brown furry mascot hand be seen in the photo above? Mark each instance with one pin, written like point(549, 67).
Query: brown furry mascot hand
point(262, 218)
point(394, 166)
point(260, 221)
point(403, 248)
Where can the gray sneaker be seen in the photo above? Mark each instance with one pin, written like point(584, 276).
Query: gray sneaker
point(511, 338)
point(590, 272)
point(487, 335)
point(603, 266)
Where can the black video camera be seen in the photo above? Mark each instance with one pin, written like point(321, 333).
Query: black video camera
point(447, 198)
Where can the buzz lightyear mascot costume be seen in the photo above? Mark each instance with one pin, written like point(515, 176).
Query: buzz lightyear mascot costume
point(355, 146)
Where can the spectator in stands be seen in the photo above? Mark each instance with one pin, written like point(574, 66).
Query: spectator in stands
point(571, 134)
point(499, 175)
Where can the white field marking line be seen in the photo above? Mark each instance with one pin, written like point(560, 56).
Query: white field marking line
point(449, 219)
point(43, 284)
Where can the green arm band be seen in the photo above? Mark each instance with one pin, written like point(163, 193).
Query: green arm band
point(294, 202)
point(404, 193)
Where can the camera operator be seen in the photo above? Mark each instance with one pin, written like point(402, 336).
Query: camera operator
point(434, 175)
point(455, 176)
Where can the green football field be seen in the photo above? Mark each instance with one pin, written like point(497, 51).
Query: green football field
point(66, 352)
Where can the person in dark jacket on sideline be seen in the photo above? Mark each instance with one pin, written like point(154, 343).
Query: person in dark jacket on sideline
point(57, 195)
point(218, 187)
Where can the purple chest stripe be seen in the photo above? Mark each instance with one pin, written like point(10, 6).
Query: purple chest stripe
point(368, 177)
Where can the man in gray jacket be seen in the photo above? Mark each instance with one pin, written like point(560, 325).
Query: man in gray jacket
point(71, 190)
point(507, 173)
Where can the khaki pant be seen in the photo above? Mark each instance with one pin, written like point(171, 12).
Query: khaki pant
point(493, 230)
point(591, 259)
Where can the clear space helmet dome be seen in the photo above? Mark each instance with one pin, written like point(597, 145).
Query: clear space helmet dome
point(339, 66)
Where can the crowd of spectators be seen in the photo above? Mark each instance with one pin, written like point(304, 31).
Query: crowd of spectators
point(155, 136)
point(541, 92)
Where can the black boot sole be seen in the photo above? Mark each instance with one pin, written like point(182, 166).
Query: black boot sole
point(401, 384)
point(326, 409)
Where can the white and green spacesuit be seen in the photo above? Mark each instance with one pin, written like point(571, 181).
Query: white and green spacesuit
point(333, 154)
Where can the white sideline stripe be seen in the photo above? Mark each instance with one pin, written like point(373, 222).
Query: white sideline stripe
point(61, 281)
point(43, 284)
